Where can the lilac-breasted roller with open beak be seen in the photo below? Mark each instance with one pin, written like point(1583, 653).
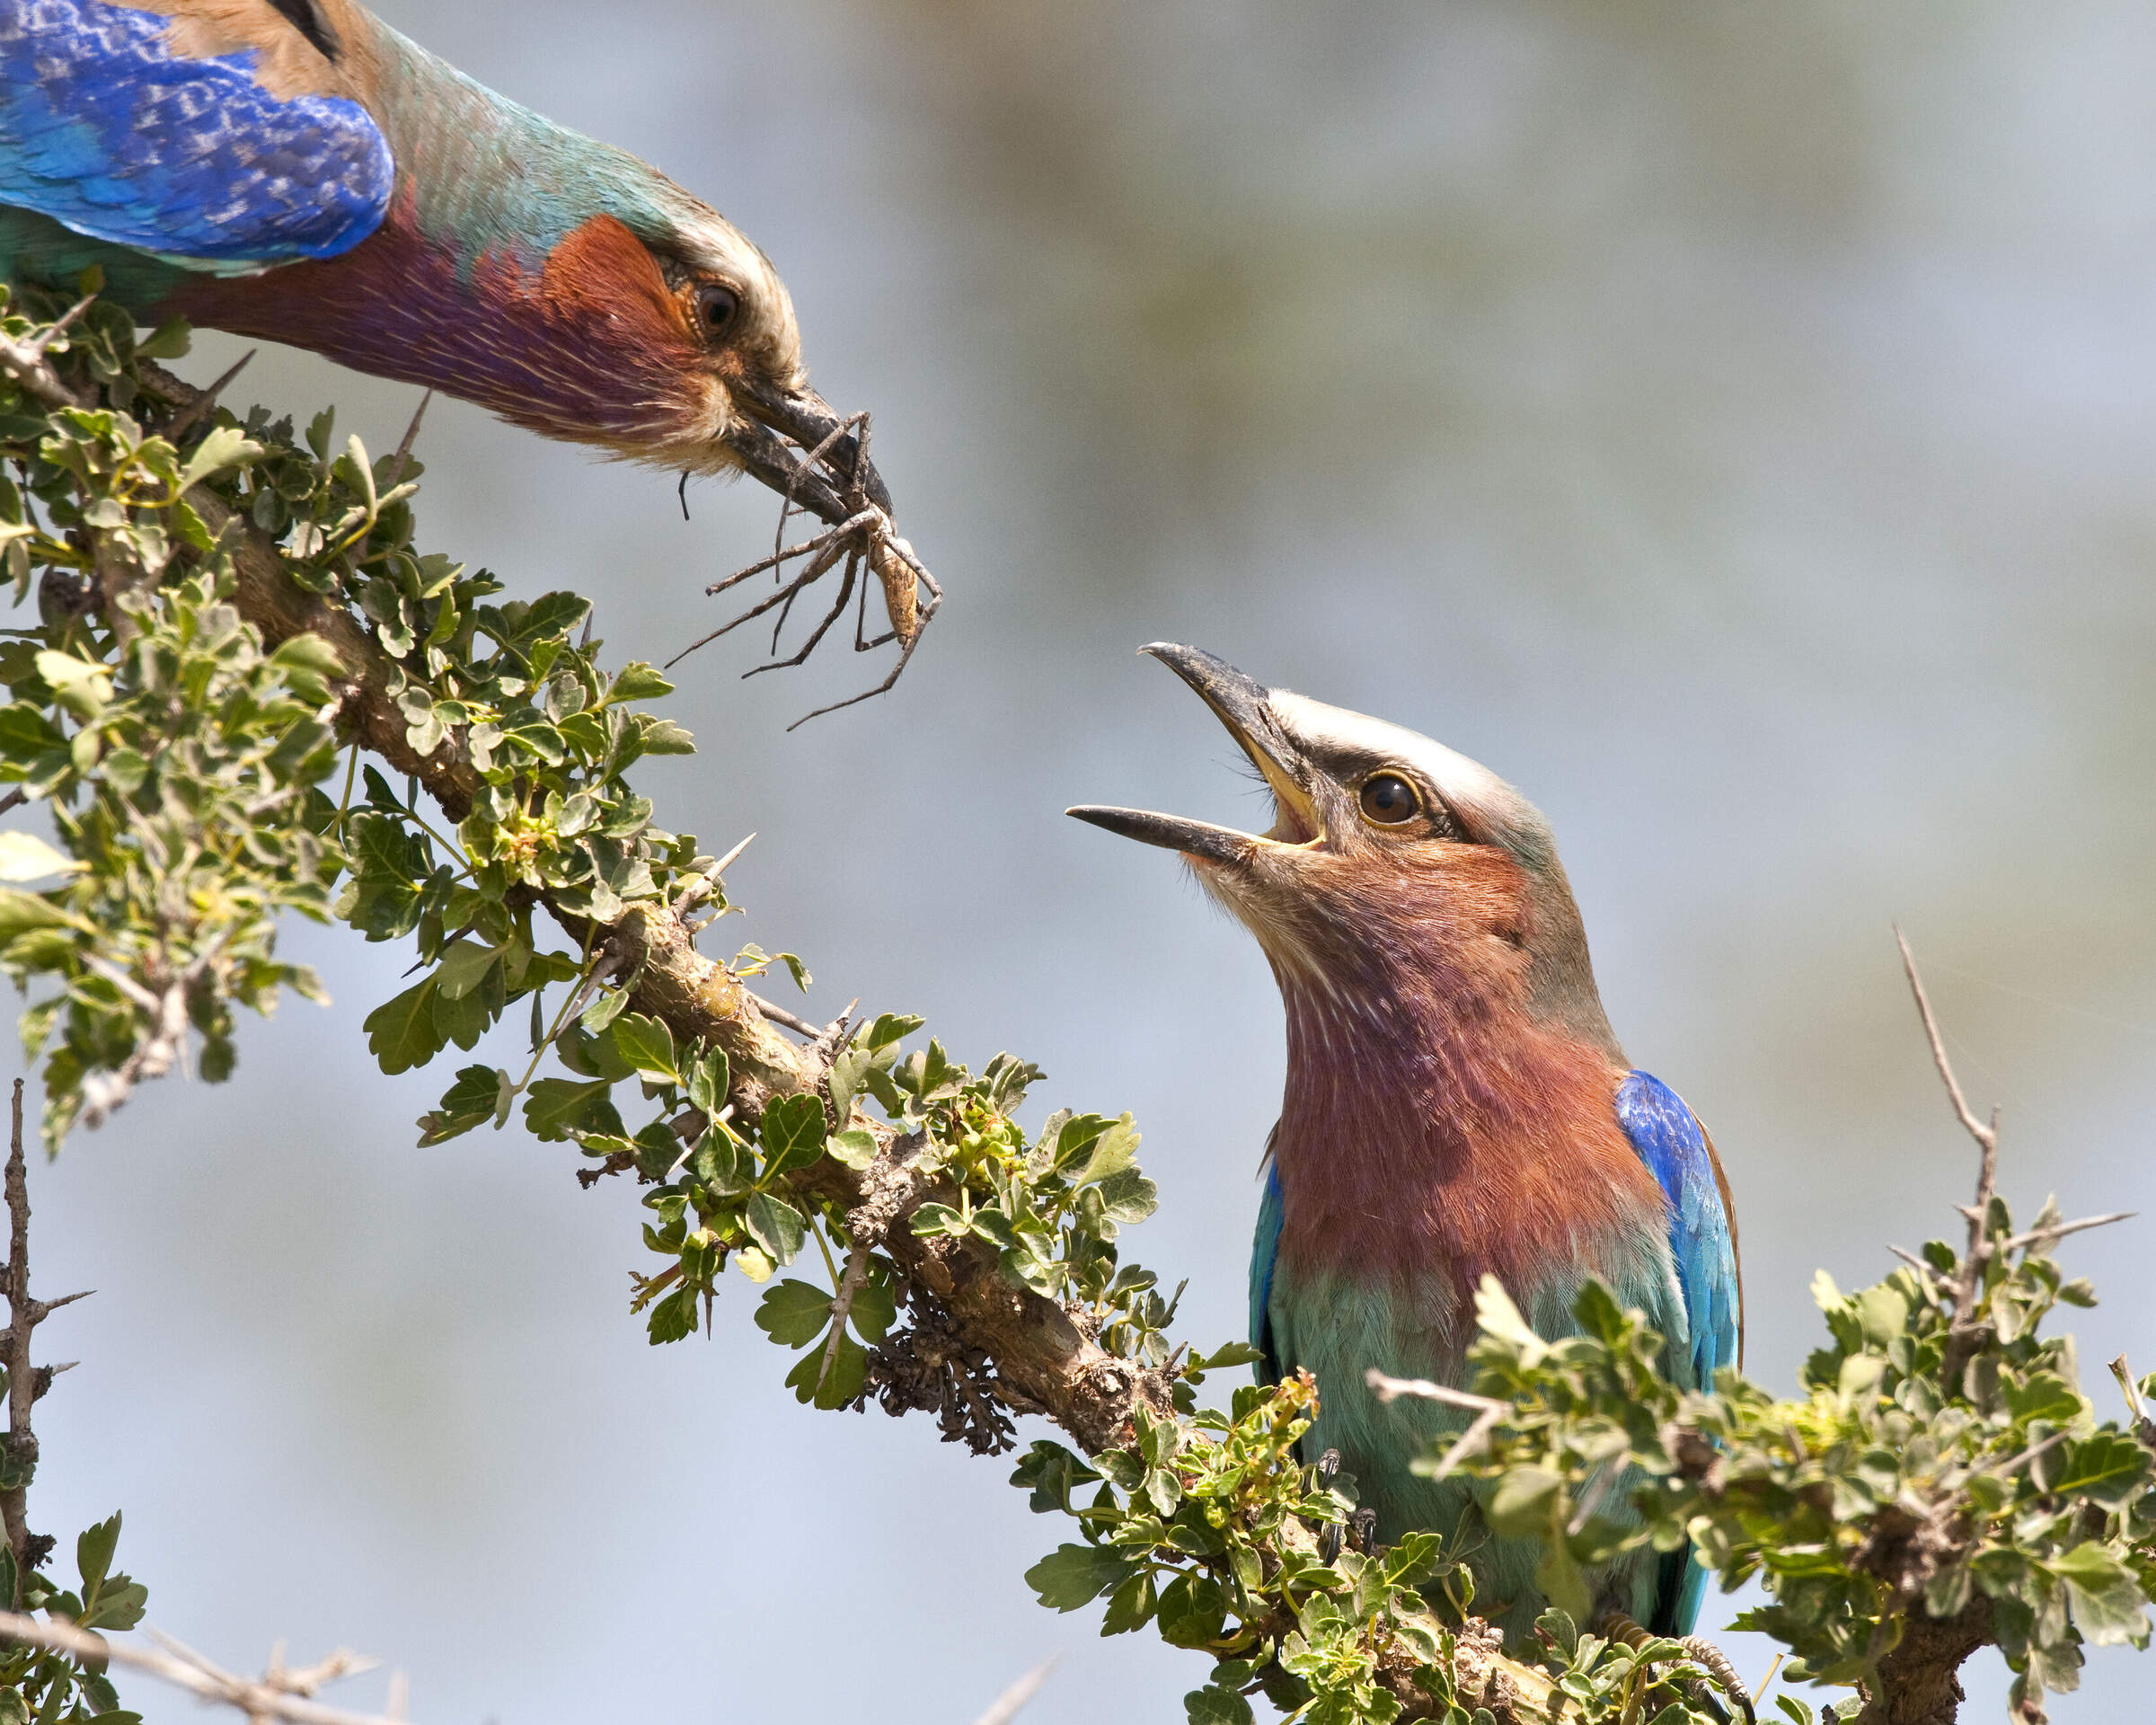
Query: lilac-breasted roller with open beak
point(1456, 1106)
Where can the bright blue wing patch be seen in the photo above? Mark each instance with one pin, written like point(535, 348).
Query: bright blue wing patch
point(107, 130)
point(1671, 1143)
point(1264, 1249)
point(1668, 1138)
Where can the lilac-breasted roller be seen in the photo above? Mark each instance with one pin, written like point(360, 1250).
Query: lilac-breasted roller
point(1455, 1106)
point(298, 170)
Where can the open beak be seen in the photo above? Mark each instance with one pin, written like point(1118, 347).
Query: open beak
point(1244, 707)
point(759, 442)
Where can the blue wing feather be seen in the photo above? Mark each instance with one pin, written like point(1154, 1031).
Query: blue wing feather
point(107, 130)
point(1669, 1140)
point(1264, 1249)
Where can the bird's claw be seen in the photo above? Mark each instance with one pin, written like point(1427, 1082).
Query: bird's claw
point(1327, 1469)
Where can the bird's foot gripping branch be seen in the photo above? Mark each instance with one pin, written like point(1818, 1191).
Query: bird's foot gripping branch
point(245, 690)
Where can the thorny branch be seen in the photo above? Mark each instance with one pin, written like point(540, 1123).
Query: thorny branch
point(22, 1376)
point(25, 1382)
point(1968, 1332)
point(279, 1695)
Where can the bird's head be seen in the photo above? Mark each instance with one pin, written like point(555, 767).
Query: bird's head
point(726, 386)
point(1392, 862)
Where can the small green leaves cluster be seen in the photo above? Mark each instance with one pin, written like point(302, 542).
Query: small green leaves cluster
point(180, 760)
point(1193, 1528)
point(41, 1688)
point(1052, 1204)
point(1928, 1464)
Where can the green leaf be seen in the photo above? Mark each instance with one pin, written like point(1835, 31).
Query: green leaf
point(310, 665)
point(854, 1147)
point(774, 1226)
point(647, 1044)
point(1074, 1576)
point(1128, 1197)
point(1115, 1152)
point(707, 1076)
point(1214, 1707)
point(664, 737)
point(932, 1219)
point(120, 1606)
point(24, 856)
point(832, 1386)
point(93, 1549)
point(638, 681)
point(604, 1009)
point(463, 967)
point(1131, 1605)
point(792, 1133)
point(890, 1030)
point(222, 447)
point(82, 686)
point(873, 1312)
point(553, 1106)
point(400, 1033)
point(1193, 1610)
point(475, 1098)
point(2106, 1597)
point(2106, 1467)
point(673, 1317)
point(794, 1312)
point(1523, 1502)
point(26, 735)
point(718, 1164)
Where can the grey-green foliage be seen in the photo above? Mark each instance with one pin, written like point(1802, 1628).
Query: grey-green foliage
point(1924, 1470)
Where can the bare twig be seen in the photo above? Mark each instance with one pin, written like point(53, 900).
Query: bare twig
point(793, 1021)
point(2014, 1464)
point(198, 410)
point(25, 361)
point(402, 458)
point(1962, 1336)
point(22, 1376)
point(2046, 1238)
point(1006, 1706)
point(1487, 1410)
point(282, 1696)
point(841, 1308)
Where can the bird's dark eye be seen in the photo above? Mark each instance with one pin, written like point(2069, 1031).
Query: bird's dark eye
point(716, 309)
point(1388, 800)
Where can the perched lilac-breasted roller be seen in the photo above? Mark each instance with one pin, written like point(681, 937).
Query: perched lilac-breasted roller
point(1456, 1106)
point(298, 170)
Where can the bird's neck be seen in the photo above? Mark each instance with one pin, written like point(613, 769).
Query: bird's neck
point(488, 177)
point(582, 348)
point(1433, 1130)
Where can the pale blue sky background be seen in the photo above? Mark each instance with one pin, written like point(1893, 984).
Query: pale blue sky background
point(1738, 426)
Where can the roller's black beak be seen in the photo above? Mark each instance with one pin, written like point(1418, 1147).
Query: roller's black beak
point(1243, 704)
point(822, 488)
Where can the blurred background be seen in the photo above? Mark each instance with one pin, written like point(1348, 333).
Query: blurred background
point(1736, 426)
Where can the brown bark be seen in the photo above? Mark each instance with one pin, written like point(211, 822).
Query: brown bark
point(1918, 1681)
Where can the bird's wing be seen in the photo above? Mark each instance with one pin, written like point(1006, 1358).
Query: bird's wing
point(1264, 1248)
point(110, 129)
point(1702, 1239)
